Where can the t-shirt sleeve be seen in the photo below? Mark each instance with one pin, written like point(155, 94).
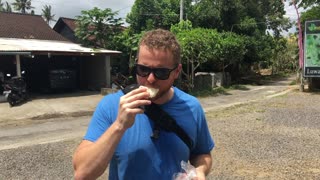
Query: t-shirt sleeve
point(102, 118)
point(204, 142)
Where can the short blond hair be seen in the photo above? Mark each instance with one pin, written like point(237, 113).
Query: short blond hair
point(162, 39)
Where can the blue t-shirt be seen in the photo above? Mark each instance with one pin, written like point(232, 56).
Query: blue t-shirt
point(138, 156)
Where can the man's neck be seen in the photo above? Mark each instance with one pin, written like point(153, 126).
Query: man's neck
point(165, 98)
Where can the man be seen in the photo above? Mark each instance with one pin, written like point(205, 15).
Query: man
point(119, 132)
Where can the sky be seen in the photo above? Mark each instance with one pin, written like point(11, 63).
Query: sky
point(290, 11)
point(73, 8)
point(292, 15)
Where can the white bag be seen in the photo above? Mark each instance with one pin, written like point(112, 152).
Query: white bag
point(188, 174)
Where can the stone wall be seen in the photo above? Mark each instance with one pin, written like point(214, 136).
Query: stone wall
point(206, 80)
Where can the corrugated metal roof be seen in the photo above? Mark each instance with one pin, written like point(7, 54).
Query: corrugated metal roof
point(32, 45)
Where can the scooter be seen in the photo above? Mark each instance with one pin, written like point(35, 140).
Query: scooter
point(15, 91)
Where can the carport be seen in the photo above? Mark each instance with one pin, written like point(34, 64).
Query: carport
point(37, 57)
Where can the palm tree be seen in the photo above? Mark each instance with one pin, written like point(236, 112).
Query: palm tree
point(5, 7)
point(22, 5)
point(8, 7)
point(46, 14)
point(1, 6)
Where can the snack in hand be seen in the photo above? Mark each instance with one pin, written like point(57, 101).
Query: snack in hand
point(152, 91)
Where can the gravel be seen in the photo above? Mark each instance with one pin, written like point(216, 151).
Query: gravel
point(44, 161)
point(277, 138)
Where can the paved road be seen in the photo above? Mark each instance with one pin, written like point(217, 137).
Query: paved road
point(47, 131)
point(42, 149)
point(249, 94)
point(59, 129)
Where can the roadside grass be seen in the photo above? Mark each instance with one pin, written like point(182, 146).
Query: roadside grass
point(209, 92)
point(235, 110)
point(238, 87)
point(277, 76)
point(218, 90)
point(246, 109)
point(224, 90)
point(294, 82)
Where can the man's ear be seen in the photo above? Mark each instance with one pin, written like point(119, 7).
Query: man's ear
point(178, 71)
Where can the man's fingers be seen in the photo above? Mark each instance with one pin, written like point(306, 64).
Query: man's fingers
point(140, 93)
point(136, 104)
point(135, 98)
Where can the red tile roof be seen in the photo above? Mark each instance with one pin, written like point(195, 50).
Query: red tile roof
point(26, 26)
point(70, 22)
point(62, 22)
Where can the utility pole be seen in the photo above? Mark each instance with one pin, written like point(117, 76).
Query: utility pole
point(181, 10)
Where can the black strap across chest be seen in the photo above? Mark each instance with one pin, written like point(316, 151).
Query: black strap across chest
point(162, 120)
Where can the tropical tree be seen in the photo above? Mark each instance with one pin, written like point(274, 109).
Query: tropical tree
point(46, 14)
point(5, 7)
point(22, 5)
point(150, 14)
point(275, 20)
point(143, 16)
point(202, 48)
point(1, 6)
point(231, 53)
point(243, 17)
point(8, 8)
point(127, 43)
point(181, 26)
point(98, 27)
point(206, 14)
point(198, 46)
point(310, 14)
point(306, 3)
point(286, 55)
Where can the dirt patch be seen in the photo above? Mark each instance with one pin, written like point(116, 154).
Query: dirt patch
point(42, 119)
point(61, 115)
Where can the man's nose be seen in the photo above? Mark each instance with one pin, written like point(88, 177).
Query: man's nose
point(151, 78)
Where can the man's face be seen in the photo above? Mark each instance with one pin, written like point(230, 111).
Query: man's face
point(154, 58)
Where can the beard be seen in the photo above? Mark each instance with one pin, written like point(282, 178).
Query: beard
point(163, 93)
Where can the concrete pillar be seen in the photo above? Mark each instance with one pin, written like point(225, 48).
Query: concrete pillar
point(108, 71)
point(18, 65)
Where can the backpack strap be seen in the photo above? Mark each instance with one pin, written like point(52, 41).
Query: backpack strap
point(162, 120)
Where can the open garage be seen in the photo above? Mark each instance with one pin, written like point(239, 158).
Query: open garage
point(49, 66)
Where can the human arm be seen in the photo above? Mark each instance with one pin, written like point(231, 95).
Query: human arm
point(202, 163)
point(92, 158)
point(201, 157)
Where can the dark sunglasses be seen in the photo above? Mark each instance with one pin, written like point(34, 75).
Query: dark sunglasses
point(159, 73)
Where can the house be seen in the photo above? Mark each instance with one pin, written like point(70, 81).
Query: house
point(28, 44)
point(66, 27)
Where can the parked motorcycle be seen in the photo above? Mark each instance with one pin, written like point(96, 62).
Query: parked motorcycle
point(15, 90)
